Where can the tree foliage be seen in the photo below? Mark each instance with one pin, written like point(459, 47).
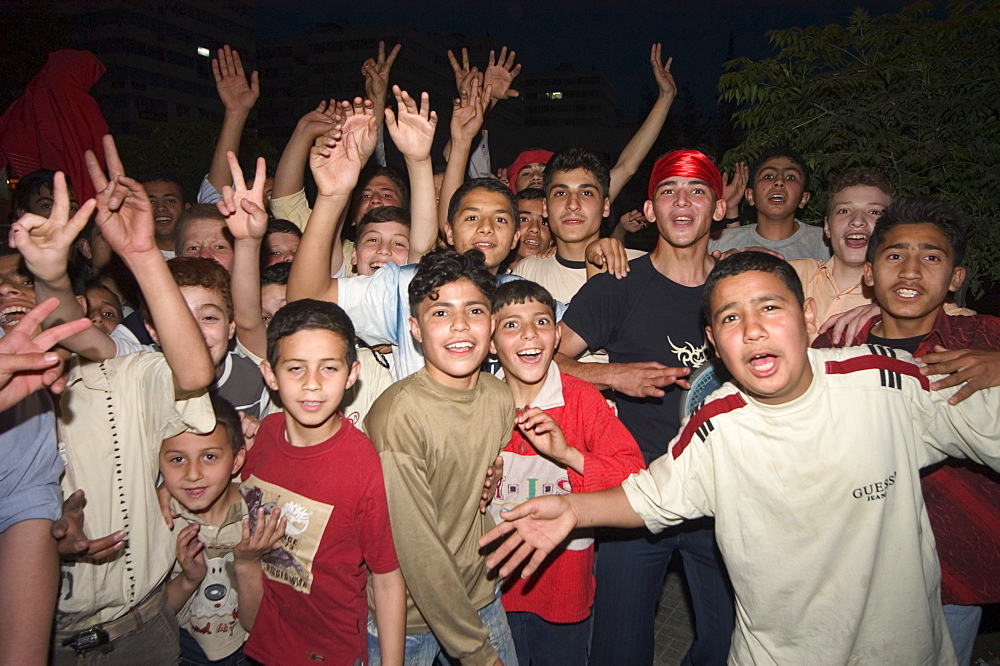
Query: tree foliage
point(914, 96)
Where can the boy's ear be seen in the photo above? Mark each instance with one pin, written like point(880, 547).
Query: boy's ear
point(720, 210)
point(749, 196)
point(711, 338)
point(805, 199)
point(545, 206)
point(239, 459)
point(152, 331)
point(648, 211)
point(869, 276)
point(415, 329)
point(82, 300)
point(449, 237)
point(493, 328)
point(957, 278)
point(517, 236)
point(232, 329)
point(353, 376)
point(809, 312)
point(607, 206)
point(354, 258)
point(269, 378)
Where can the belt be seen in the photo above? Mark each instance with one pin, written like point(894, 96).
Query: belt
point(134, 619)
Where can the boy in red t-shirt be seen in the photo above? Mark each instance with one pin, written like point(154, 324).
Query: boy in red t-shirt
point(576, 444)
point(325, 478)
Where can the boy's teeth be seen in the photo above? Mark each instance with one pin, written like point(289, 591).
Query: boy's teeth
point(459, 345)
point(14, 309)
point(907, 293)
point(529, 352)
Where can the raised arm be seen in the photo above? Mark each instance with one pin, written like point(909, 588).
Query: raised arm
point(336, 162)
point(238, 97)
point(637, 148)
point(45, 244)
point(376, 73)
point(466, 121)
point(412, 130)
point(125, 218)
point(289, 177)
point(247, 221)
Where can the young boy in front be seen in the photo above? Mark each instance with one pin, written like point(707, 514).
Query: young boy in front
point(576, 444)
point(324, 477)
point(914, 261)
point(810, 463)
point(779, 188)
point(198, 473)
point(437, 431)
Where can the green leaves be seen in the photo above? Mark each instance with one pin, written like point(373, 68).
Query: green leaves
point(912, 95)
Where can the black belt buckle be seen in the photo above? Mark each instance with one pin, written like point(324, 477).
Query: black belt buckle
point(87, 640)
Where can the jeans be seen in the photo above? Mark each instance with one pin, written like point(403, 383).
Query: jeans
point(424, 649)
point(193, 655)
point(542, 643)
point(963, 625)
point(631, 567)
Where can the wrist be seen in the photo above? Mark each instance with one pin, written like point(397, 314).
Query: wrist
point(418, 161)
point(237, 114)
point(142, 259)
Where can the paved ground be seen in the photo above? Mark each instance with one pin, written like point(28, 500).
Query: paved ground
point(674, 631)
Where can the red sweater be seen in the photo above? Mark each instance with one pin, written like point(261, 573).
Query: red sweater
point(563, 589)
point(962, 498)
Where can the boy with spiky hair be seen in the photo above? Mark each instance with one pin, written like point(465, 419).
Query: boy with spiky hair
point(810, 463)
point(434, 466)
point(779, 188)
point(914, 260)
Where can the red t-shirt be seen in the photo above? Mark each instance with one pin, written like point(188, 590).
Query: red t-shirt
point(314, 606)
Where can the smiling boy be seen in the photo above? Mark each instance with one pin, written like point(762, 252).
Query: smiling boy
point(810, 464)
point(437, 431)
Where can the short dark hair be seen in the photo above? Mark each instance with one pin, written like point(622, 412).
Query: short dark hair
point(855, 178)
point(745, 262)
point(201, 272)
point(29, 185)
point(275, 273)
point(394, 175)
point(95, 283)
point(381, 214)
point(227, 418)
point(162, 177)
point(310, 314)
point(921, 210)
point(530, 194)
point(280, 226)
point(197, 212)
point(444, 266)
point(577, 158)
point(488, 184)
point(522, 291)
point(774, 152)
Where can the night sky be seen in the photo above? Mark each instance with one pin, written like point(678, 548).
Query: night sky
point(614, 36)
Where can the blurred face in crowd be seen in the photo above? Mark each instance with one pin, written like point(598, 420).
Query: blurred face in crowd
point(167, 201)
point(535, 234)
point(207, 238)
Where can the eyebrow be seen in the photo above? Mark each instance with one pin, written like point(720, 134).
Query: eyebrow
point(478, 209)
point(764, 298)
point(906, 245)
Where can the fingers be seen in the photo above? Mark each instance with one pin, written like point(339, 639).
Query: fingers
point(52, 336)
point(259, 177)
point(33, 319)
point(11, 363)
point(99, 549)
point(234, 165)
point(97, 177)
point(391, 58)
point(115, 167)
point(454, 62)
point(505, 527)
point(465, 58)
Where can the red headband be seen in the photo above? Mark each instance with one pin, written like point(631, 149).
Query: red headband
point(523, 160)
point(688, 164)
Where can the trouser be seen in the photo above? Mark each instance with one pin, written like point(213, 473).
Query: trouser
point(631, 568)
point(542, 643)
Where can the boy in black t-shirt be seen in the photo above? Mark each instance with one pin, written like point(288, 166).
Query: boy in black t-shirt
point(650, 323)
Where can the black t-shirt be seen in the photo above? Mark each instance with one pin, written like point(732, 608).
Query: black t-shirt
point(643, 317)
point(906, 344)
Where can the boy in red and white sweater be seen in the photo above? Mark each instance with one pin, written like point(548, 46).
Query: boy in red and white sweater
point(576, 444)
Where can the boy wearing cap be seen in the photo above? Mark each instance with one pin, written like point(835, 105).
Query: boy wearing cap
point(649, 322)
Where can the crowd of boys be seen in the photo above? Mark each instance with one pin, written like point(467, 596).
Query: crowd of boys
point(370, 428)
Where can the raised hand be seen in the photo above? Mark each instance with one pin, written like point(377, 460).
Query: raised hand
point(500, 74)
point(462, 70)
point(468, 111)
point(124, 213)
point(734, 186)
point(45, 242)
point(544, 434)
point(359, 120)
point(190, 554)
point(502, 176)
point(376, 73)
point(244, 208)
point(26, 365)
point(664, 79)
point(320, 120)
point(231, 82)
point(336, 163)
point(264, 538)
point(633, 221)
point(412, 127)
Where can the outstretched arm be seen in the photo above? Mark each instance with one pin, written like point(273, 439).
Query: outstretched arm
point(247, 221)
point(637, 148)
point(238, 97)
point(412, 130)
point(289, 177)
point(336, 161)
point(125, 218)
point(466, 121)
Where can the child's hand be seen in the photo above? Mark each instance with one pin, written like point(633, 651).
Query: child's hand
point(318, 121)
point(609, 254)
point(163, 499)
point(72, 541)
point(467, 113)
point(190, 555)
point(244, 208)
point(500, 74)
point(664, 79)
point(45, 242)
point(493, 476)
point(263, 539)
point(543, 433)
point(336, 162)
point(376, 73)
point(124, 213)
point(250, 426)
point(231, 82)
point(412, 127)
point(359, 121)
point(735, 186)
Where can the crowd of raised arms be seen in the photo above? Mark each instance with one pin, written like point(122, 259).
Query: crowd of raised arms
point(438, 418)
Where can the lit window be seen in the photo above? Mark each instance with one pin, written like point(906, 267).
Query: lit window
point(203, 52)
point(554, 95)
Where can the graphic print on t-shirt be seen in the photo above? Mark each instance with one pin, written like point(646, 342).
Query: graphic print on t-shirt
point(687, 354)
point(306, 522)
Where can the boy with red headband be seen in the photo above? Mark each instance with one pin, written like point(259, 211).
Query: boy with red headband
point(649, 322)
